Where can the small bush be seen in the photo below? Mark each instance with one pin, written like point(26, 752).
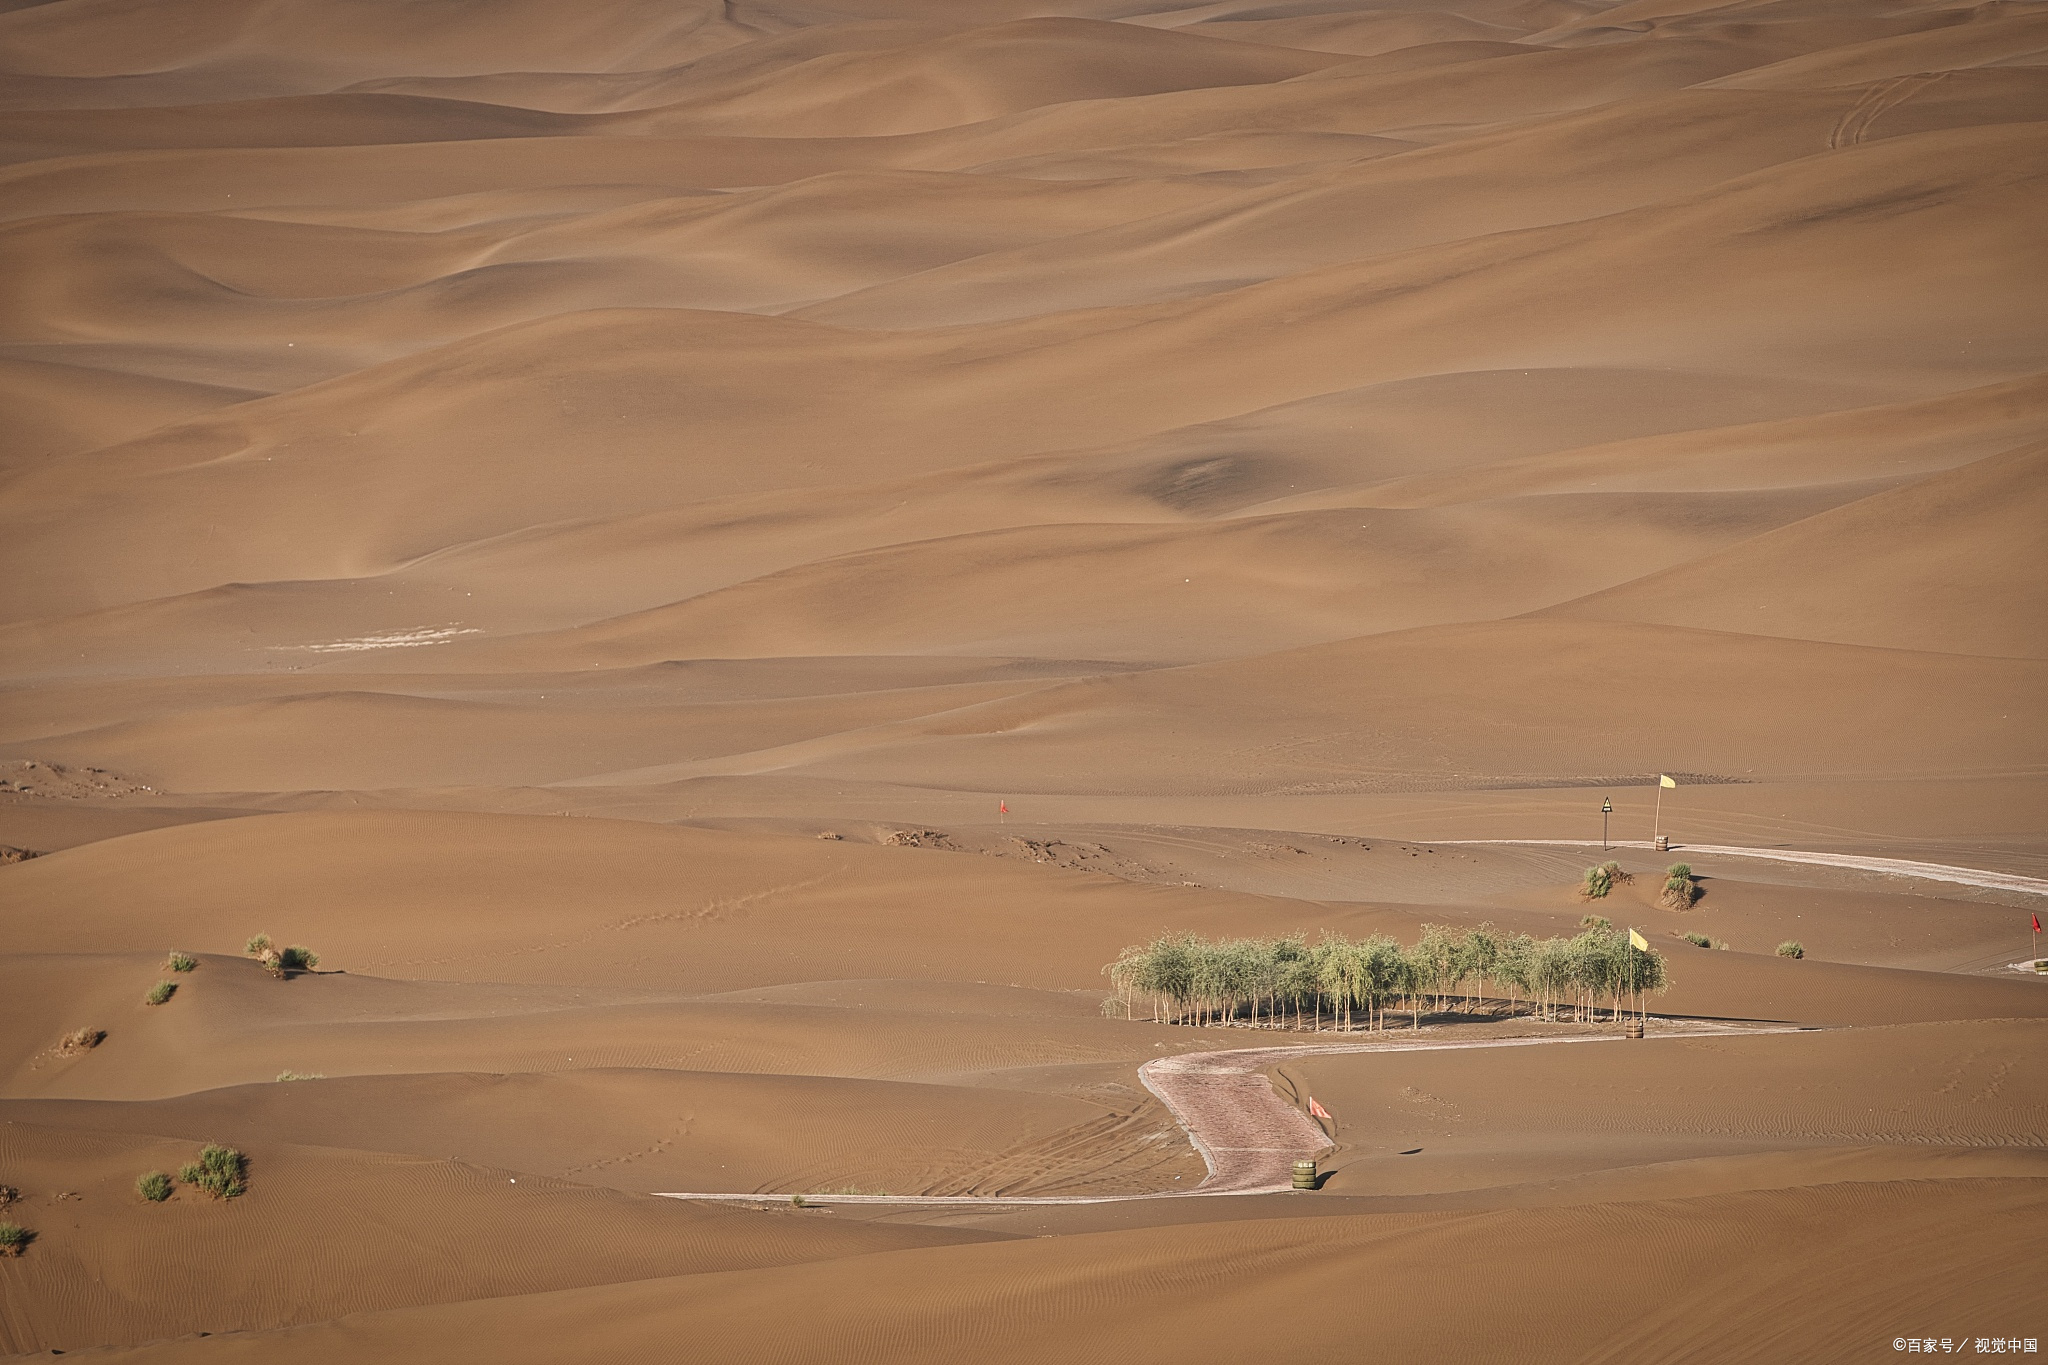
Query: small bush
point(160, 992)
point(1698, 940)
point(1679, 891)
point(257, 946)
point(1791, 947)
point(797, 1201)
point(80, 1040)
point(297, 959)
point(154, 1186)
point(1597, 883)
point(1595, 922)
point(180, 962)
point(218, 1171)
point(14, 1239)
point(300, 1076)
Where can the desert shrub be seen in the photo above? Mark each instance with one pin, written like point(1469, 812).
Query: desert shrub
point(160, 992)
point(180, 962)
point(1679, 892)
point(14, 1239)
point(1595, 922)
point(257, 946)
point(154, 1186)
point(297, 959)
point(797, 1201)
point(80, 1040)
point(1601, 879)
point(300, 1076)
point(1791, 947)
point(219, 1171)
point(1698, 940)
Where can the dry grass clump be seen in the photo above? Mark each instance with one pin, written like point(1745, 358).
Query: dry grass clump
point(1679, 889)
point(1698, 940)
point(160, 992)
point(290, 1075)
point(1603, 878)
point(180, 962)
point(154, 1186)
point(79, 1041)
point(219, 1171)
point(281, 962)
point(1791, 948)
point(14, 1239)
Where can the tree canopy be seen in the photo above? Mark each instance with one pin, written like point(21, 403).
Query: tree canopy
point(1342, 983)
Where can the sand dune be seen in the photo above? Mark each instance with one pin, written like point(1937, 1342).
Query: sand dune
point(1481, 184)
point(1161, 594)
point(1521, 691)
point(1757, 229)
point(718, 561)
point(645, 1131)
point(910, 1305)
point(972, 77)
point(58, 410)
point(1973, 531)
point(174, 1255)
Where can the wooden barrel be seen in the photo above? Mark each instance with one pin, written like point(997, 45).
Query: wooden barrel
point(1304, 1175)
point(1632, 1029)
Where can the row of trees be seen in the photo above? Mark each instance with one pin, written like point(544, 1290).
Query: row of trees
point(1343, 983)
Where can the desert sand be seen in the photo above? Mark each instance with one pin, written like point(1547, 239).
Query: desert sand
point(718, 561)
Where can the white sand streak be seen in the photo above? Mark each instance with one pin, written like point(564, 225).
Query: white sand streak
point(397, 639)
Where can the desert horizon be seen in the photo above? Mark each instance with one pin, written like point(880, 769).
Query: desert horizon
point(876, 681)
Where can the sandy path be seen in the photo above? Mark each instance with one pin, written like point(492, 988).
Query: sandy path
point(1248, 1136)
point(1895, 867)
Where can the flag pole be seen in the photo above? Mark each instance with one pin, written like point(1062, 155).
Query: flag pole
point(1657, 824)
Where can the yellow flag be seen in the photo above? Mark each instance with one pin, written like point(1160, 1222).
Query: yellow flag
point(1636, 940)
point(1664, 781)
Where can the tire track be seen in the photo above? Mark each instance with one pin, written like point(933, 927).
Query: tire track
point(1246, 1134)
point(1876, 101)
point(1891, 867)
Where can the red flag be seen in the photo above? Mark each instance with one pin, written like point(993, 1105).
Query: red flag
point(1316, 1110)
point(1002, 807)
point(2037, 924)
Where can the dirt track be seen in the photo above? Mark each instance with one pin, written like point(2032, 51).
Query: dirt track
point(1248, 1136)
point(1893, 867)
